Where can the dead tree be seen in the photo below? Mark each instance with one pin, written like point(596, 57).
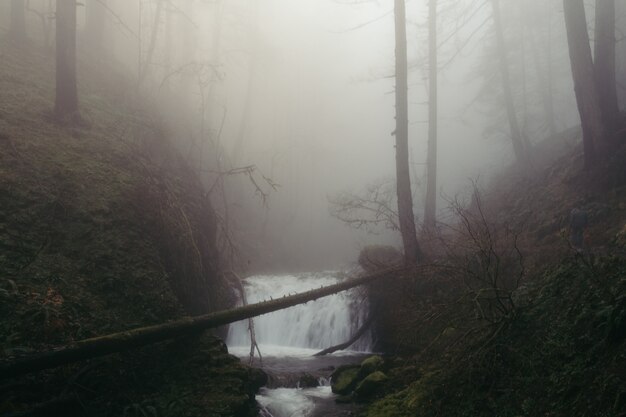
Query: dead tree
point(403, 176)
point(253, 344)
point(593, 127)
point(345, 345)
point(66, 102)
point(122, 341)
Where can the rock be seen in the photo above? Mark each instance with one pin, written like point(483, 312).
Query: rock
point(257, 378)
point(371, 385)
point(307, 381)
point(343, 399)
point(344, 379)
point(371, 364)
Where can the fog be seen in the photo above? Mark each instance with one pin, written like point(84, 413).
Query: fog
point(303, 93)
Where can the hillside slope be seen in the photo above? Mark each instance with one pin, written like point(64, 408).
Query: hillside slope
point(103, 227)
point(509, 319)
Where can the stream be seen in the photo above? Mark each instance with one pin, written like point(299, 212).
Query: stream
point(289, 338)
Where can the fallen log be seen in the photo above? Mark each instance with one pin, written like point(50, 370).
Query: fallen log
point(118, 342)
point(349, 342)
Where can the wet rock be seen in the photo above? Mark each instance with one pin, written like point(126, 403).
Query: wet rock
point(371, 385)
point(369, 365)
point(343, 399)
point(344, 379)
point(307, 381)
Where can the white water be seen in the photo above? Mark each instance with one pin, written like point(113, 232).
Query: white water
point(316, 325)
point(289, 338)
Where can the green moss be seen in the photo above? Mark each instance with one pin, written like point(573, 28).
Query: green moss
point(371, 385)
point(344, 379)
point(97, 226)
point(371, 364)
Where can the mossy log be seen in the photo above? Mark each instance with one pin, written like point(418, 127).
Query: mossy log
point(118, 342)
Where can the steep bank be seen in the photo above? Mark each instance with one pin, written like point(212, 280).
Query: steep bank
point(104, 227)
point(508, 319)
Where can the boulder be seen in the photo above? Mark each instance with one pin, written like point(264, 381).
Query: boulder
point(307, 381)
point(371, 364)
point(371, 385)
point(344, 379)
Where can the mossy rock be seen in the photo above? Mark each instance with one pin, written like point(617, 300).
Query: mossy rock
point(344, 379)
point(371, 385)
point(370, 365)
point(307, 381)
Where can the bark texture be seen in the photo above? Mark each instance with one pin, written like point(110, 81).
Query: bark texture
point(593, 128)
point(403, 178)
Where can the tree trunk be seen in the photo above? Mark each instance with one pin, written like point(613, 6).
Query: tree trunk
point(66, 90)
point(604, 65)
point(403, 179)
point(119, 342)
point(430, 209)
point(18, 20)
point(517, 137)
point(94, 27)
point(584, 82)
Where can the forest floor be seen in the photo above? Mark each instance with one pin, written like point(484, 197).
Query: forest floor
point(82, 253)
point(508, 319)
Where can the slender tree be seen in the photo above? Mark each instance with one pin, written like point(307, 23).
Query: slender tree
point(594, 130)
point(403, 179)
point(604, 64)
point(18, 20)
point(66, 89)
point(517, 137)
point(430, 209)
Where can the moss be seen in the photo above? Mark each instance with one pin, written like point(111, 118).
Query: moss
point(104, 228)
point(372, 384)
point(344, 379)
point(371, 364)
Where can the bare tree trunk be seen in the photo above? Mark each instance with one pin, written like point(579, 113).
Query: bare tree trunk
point(604, 66)
point(593, 127)
point(517, 137)
point(430, 210)
point(94, 27)
point(66, 102)
point(403, 179)
point(18, 20)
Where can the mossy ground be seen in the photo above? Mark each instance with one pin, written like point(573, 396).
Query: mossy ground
point(561, 350)
point(83, 254)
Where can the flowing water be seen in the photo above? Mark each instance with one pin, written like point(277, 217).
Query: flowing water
point(289, 338)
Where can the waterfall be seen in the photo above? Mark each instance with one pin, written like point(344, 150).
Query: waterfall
point(317, 325)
